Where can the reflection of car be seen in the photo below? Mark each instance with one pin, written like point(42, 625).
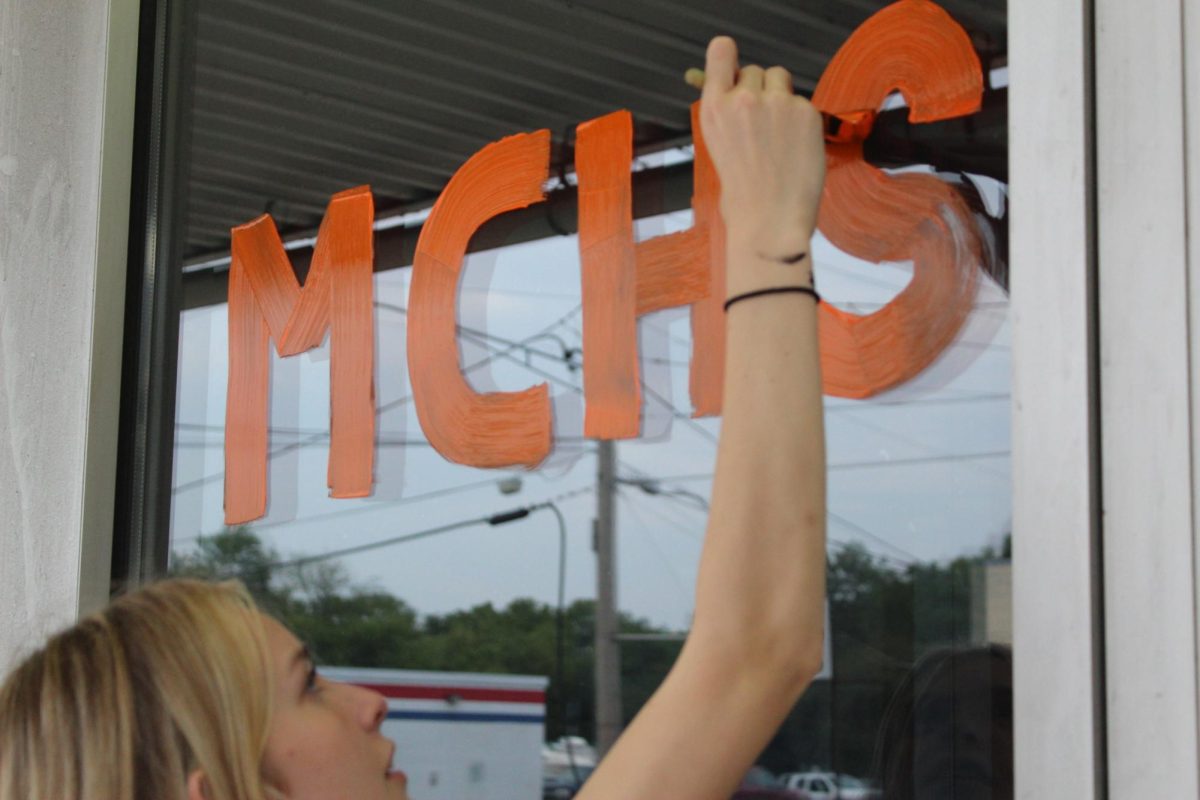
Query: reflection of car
point(811, 785)
point(564, 784)
point(852, 788)
point(828, 786)
point(765, 793)
point(760, 784)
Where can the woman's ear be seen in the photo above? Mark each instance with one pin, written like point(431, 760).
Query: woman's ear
point(197, 786)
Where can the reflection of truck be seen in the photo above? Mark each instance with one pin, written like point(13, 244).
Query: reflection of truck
point(462, 735)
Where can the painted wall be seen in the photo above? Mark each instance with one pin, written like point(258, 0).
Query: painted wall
point(66, 100)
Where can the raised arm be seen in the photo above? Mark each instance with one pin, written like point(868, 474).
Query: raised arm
point(757, 631)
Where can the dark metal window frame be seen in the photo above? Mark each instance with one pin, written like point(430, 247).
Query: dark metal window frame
point(142, 514)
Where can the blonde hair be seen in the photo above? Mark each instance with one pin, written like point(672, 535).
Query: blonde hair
point(126, 704)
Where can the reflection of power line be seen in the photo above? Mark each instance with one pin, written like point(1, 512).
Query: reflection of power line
point(986, 347)
point(324, 441)
point(567, 356)
point(287, 448)
point(679, 340)
point(198, 426)
point(653, 541)
point(647, 479)
point(886, 431)
point(908, 462)
point(394, 540)
point(301, 445)
point(494, 519)
point(653, 485)
point(832, 541)
point(986, 305)
point(907, 557)
point(876, 463)
point(680, 415)
point(482, 339)
point(416, 498)
point(649, 359)
point(654, 488)
point(944, 397)
point(519, 293)
point(692, 533)
point(390, 504)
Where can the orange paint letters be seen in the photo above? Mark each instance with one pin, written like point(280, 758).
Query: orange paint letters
point(267, 303)
point(912, 45)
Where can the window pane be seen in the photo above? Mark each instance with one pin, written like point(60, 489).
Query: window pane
point(489, 670)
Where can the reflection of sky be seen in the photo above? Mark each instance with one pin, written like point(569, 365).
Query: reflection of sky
point(921, 472)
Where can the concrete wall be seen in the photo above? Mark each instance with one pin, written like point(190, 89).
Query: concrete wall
point(67, 71)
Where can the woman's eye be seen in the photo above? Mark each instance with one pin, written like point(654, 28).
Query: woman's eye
point(310, 683)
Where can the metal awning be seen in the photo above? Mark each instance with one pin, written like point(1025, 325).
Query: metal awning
point(295, 100)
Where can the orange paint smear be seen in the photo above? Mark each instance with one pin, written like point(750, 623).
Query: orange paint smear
point(669, 273)
point(623, 280)
point(496, 429)
point(267, 302)
point(915, 46)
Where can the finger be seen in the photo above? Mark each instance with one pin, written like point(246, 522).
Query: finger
point(778, 79)
point(694, 77)
point(751, 77)
point(720, 66)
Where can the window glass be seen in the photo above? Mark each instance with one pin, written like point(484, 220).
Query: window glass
point(482, 638)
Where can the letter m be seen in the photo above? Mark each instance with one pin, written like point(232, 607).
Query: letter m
point(266, 302)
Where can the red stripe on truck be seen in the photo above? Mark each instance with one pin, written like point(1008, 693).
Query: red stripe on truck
point(458, 692)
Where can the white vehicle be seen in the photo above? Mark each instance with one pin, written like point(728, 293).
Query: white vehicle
point(462, 735)
point(566, 764)
point(828, 786)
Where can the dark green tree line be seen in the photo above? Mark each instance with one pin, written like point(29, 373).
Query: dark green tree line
point(350, 625)
point(883, 617)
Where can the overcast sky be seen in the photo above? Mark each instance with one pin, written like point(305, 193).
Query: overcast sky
point(919, 473)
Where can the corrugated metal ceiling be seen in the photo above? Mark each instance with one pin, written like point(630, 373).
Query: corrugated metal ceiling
point(297, 99)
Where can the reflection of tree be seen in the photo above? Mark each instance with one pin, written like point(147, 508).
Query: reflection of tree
point(350, 625)
point(882, 619)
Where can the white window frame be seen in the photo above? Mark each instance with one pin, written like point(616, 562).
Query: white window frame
point(1146, 90)
point(1059, 743)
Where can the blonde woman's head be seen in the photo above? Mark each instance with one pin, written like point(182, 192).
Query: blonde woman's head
point(168, 683)
point(185, 691)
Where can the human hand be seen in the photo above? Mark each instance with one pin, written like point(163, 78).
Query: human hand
point(767, 145)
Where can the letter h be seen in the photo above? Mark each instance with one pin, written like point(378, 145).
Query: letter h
point(622, 280)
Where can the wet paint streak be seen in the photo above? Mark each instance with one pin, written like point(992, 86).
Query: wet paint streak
point(623, 280)
point(495, 429)
point(916, 47)
point(266, 302)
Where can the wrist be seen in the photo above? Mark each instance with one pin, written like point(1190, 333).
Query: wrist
point(771, 238)
point(749, 267)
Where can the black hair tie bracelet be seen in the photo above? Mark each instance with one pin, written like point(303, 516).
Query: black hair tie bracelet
point(808, 290)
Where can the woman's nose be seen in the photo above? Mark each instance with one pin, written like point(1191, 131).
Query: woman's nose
point(374, 709)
